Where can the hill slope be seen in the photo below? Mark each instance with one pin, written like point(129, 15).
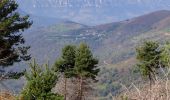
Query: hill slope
point(116, 40)
point(113, 43)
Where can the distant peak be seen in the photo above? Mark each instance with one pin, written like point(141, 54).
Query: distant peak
point(164, 11)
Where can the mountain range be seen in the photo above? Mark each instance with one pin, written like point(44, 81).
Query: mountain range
point(112, 42)
point(92, 12)
point(61, 22)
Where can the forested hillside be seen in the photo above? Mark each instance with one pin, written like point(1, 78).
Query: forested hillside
point(113, 43)
point(51, 58)
point(116, 40)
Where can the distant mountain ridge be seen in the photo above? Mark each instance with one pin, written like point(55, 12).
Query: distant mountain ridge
point(139, 24)
point(115, 40)
point(92, 12)
point(113, 43)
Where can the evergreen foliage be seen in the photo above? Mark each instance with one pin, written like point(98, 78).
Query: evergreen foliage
point(165, 55)
point(12, 24)
point(77, 63)
point(65, 64)
point(40, 83)
point(85, 67)
point(85, 63)
point(150, 59)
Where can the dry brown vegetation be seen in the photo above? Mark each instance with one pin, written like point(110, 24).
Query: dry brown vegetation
point(160, 90)
point(7, 96)
point(72, 91)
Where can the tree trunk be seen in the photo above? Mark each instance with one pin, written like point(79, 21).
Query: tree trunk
point(65, 88)
point(150, 81)
point(80, 88)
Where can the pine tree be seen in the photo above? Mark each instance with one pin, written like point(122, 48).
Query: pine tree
point(40, 83)
point(65, 65)
point(12, 24)
point(85, 66)
point(149, 57)
point(165, 54)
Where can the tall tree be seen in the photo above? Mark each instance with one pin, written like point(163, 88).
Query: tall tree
point(12, 24)
point(65, 65)
point(85, 66)
point(150, 60)
point(40, 83)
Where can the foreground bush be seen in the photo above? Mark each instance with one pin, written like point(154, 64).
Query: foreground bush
point(40, 83)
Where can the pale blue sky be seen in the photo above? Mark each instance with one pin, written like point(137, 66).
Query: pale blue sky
point(92, 11)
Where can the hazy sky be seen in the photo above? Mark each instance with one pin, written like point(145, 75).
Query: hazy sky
point(92, 11)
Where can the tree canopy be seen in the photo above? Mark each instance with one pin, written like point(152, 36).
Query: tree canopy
point(40, 83)
point(12, 24)
point(65, 64)
point(151, 57)
point(85, 63)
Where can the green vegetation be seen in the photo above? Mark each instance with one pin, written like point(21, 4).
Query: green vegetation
point(12, 47)
point(40, 83)
point(85, 67)
point(65, 65)
point(11, 40)
point(77, 64)
point(149, 59)
point(64, 27)
point(165, 55)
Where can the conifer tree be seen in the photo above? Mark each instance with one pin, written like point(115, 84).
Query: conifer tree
point(165, 54)
point(40, 83)
point(65, 64)
point(12, 24)
point(85, 66)
point(149, 57)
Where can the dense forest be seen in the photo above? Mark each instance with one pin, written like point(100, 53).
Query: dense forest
point(77, 74)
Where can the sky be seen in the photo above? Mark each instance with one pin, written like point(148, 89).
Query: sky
point(92, 12)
